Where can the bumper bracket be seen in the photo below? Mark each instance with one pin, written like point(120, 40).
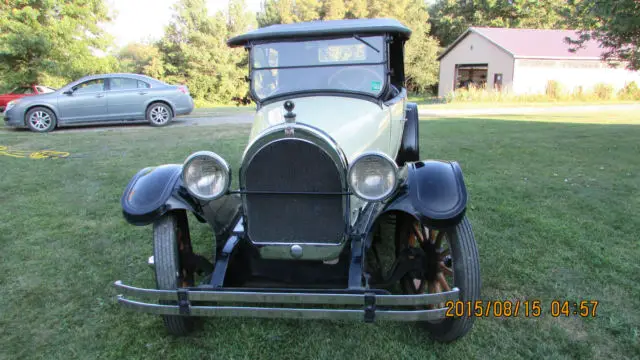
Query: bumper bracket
point(184, 305)
point(369, 307)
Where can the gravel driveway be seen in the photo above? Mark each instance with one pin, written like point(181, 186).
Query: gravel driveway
point(207, 117)
point(203, 119)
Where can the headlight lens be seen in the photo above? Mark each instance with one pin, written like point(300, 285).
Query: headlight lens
point(373, 176)
point(206, 175)
point(11, 104)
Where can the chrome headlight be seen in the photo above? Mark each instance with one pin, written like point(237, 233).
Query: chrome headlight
point(373, 176)
point(206, 175)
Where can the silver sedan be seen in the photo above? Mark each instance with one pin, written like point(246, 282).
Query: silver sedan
point(107, 98)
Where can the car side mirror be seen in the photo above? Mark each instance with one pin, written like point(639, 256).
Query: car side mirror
point(68, 92)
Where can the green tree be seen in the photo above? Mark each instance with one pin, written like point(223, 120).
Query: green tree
point(450, 18)
point(195, 52)
point(421, 66)
point(615, 24)
point(44, 40)
point(357, 9)
point(381, 8)
point(154, 68)
point(188, 22)
point(276, 12)
point(333, 9)
point(141, 59)
point(239, 20)
point(236, 59)
point(307, 10)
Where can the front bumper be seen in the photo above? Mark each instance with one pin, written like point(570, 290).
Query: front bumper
point(11, 118)
point(365, 306)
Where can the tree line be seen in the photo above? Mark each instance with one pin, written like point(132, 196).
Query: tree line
point(55, 41)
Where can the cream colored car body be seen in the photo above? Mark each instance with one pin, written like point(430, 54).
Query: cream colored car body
point(356, 125)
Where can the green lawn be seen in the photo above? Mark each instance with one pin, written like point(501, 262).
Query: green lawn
point(554, 206)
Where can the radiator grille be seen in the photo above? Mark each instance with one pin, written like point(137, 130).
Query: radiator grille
point(293, 165)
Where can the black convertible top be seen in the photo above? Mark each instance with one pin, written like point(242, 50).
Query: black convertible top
point(324, 28)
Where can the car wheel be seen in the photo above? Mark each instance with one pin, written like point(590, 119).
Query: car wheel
point(455, 254)
point(167, 236)
point(40, 119)
point(159, 114)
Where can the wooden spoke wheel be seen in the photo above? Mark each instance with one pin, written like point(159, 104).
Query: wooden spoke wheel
point(439, 275)
point(451, 260)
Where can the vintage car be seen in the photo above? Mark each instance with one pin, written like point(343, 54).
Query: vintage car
point(335, 215)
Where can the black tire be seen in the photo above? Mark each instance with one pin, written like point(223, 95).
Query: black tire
point(167, 268)
point(159, 114)
point(40, 119)
point(466, 276)
point(466, 270)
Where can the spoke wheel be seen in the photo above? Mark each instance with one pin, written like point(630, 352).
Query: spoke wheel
point(439, 276)
point(451, 260)
point(40, 119)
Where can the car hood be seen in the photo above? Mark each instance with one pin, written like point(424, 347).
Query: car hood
point(39, 97)
point(357, 125)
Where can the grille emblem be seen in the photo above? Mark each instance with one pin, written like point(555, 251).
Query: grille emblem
point(289, 118)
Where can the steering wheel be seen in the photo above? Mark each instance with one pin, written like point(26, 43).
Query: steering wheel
point(353, 78)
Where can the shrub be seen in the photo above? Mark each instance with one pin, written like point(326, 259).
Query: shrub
point(630, 92)
point(554, 92)
point(578, 93)
point(553, 89)
point(603, 91)
point(201, 103)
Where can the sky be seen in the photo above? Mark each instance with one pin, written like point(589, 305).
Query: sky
point(138, 20)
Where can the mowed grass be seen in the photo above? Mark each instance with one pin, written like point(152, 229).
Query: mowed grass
point(553, 202)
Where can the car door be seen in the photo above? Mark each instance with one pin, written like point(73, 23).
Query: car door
point(85, 102)
point(127, 98)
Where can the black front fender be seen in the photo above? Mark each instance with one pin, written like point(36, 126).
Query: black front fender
point(433, 192)
point(152, 192)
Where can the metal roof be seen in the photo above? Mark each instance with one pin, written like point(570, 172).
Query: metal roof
point(533, 43)
point(323, 28)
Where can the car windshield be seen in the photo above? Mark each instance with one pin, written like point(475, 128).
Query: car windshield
point(22, 90)
point(45, 89)
point(351, 64)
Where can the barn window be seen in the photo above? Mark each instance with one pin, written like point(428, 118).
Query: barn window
point(470, 74)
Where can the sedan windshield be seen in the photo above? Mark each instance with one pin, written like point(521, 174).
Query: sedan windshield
point(349, 64)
